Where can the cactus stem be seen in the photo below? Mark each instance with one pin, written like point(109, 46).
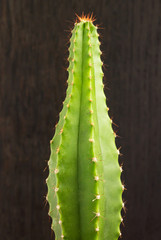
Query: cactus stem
point(86, 165)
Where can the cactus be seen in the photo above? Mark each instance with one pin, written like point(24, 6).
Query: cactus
point(84, 186)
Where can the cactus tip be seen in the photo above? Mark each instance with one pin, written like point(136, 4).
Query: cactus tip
point(86, 18)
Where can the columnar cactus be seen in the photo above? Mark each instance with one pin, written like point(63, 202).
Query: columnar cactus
point(84, 186)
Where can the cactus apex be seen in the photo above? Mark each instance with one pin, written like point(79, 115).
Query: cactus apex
point(86, 18)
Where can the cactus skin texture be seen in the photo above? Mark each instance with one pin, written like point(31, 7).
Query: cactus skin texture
point(84, 186)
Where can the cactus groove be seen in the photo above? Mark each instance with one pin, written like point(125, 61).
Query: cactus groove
point(84, 186)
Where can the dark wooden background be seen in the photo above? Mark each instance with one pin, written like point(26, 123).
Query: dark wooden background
point(33, 53)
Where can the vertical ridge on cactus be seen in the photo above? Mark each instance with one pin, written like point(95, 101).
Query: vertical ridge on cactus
point(84, 186)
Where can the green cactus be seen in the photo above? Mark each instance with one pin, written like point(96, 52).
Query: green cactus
point(84, 186)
